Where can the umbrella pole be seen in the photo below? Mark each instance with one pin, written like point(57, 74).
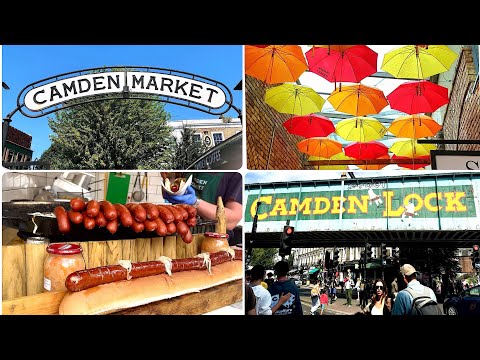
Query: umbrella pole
point(271, 145)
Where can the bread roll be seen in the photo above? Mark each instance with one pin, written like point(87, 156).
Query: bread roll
point(108, 298)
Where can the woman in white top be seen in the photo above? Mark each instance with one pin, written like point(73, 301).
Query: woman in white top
point(380, 303)
point(262, 295)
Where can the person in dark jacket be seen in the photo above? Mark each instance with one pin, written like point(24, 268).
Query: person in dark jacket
point(283, 286)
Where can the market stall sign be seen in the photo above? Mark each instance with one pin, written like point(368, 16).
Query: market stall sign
point(190, 90)
point(455, 160)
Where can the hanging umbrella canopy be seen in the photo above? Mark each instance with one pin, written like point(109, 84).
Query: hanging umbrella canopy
point(338, 63)
point(418, 97)
point(414, 126)
point(358, 100)
point(339, 156)
point(360, 129)
point(413, 165)
point(275, 64)
point(410, 148)
point(366, 150)
point(375, 166)
point(418, 61)
point(320, 146)
point(294, 99)
point(309, 126)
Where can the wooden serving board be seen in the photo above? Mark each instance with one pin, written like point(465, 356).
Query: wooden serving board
point(188, 304)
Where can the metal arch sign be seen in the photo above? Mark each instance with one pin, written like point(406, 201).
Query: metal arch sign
point(176, 87)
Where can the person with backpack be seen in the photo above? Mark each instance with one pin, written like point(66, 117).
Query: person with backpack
point(415, 299)
point(284, 285)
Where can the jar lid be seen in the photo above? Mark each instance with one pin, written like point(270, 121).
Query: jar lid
point(64, 249)
point(216, 235)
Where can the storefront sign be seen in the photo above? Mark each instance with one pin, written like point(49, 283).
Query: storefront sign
point(455, 160)
point(51, 94)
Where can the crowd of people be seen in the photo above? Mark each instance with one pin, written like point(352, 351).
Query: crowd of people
point(265, 296)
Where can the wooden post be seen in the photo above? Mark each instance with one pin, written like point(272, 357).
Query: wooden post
point(221, 225)
point(170, 247)
point(113, 252)
point(129, 250)
point(34, 258)
point(180, 248)
point(14, 282)
point(143, 249)
point(198, 239)
point(97, 253)
point(156, 248)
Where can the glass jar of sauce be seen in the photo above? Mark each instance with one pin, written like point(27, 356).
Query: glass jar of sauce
point(62, 260)
point(214, 242)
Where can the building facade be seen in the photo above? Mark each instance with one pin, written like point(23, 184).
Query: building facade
point(17, 147)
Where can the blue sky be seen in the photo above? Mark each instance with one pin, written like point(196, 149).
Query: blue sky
point(22, 65)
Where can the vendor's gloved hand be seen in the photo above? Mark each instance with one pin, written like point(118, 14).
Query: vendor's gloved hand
point(188, 198)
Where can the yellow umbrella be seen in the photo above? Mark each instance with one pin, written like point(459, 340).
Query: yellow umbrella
point(414, 126)
point(320, 146)
point(339, 156)
point(294, 99)
point(410, 148)
point(360, 128)
point(418, 61)
point(358, 100)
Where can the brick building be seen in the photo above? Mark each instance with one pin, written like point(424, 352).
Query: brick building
point(269, 145)
point(211, 132)
point(462, 115)
point(17, 147)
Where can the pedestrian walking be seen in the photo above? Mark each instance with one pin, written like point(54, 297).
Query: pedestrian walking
point(380, 303)
point(323, 301)
point(348, 283)
point(315, 297)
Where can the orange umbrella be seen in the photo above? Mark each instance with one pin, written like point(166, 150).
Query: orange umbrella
point(275, 64)
point(414, 126)
point(413, 165)
point(320, 146)
point(376, 166)
point(358, 100)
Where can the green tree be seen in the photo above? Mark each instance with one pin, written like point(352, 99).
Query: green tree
point(111, 134)
point(433, 262)
point(187, 150)
point(265, 257)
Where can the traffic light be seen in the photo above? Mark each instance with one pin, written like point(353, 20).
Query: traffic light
point(396, 255)
point(384, 253)
point(336, 257)
point(476, 258)
point(369, 253)
point(362, 256)
point(286, 241)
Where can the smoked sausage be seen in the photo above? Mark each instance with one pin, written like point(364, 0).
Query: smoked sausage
point(137, 211)
point(124, 215)
point(100, 220)
point(165, 214)
point(62, 219)
point(161, 229)
point(112, 226)
point(88, 222)
point(192, 211)
point(77, 204)
point(176, 214)
point(108, 210)
point(75, 217)
point(93, 208)
point(152, 211)
point(182, 211)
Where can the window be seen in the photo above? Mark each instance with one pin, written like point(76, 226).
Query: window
point(197, 137)
point(217, 137)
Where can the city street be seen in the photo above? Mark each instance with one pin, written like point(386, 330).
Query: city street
point(337, 308)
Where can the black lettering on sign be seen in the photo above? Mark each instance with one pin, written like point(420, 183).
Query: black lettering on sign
point(82, 90)
point(138, 81)
point(193, 90)
point(152, 82)
point(211, 93)
point(54, 92)
point(164, 80)
point(35, 97)
point(67, 89)
point(111, 80)
point(97, 82)
point(178, 87)
point(472, 165)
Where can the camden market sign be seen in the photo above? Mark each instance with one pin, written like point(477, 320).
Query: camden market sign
point(157, 84)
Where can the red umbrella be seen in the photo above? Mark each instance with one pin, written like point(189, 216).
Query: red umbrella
point(418, 97)
point(309, 126)
point(350, 65)
point(413, 165)
point(366, 150)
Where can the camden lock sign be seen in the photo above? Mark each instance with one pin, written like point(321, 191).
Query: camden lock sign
point(181, 88)
point(422, 207)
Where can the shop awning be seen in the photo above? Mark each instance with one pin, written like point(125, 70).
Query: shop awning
point(312, 271)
